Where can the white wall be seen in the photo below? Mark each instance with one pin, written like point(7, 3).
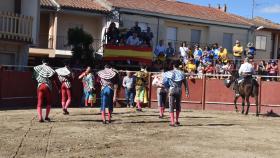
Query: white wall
point(7, 5)
point(32, 8)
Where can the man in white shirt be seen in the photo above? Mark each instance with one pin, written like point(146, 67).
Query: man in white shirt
point(246, 69)
point(133, 40)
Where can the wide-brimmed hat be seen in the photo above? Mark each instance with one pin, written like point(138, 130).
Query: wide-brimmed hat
point(63, 71)
point(250, 44)
point(44, 71)
point(107, 73)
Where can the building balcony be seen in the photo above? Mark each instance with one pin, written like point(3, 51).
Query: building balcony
point(15, 27)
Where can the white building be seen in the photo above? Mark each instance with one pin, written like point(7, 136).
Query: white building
point(19, 26)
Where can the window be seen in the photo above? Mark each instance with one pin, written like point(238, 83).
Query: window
point(171, 36)
point(261, 42)
point(7, 58)
point(227, 41)
point(195, 36)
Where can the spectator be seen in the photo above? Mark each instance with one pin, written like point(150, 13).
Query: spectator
point(184, 51)
point(228, 67)
point(223, 55)
point(250, 51)
point(160, 49)
point(169, 51)
point(191, 68)
point(261, 69)
point(210, 69)
point(129, 85)
point(219, 68)
point(133, 40)
point(216, 52)
point(237, 53)
point(272, 69)
point(200, 70)
point(197, 55)
point(149, 36)
point(113, 34)
point(137, 29)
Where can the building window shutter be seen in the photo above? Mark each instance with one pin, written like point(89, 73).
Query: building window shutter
point(261, 42)
point(195, 36)
point(227, 41)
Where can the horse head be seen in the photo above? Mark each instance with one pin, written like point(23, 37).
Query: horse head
point(233, 76)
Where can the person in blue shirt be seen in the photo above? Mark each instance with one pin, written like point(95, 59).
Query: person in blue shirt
point(250, 51)
point(216, 52)
point(197, 55)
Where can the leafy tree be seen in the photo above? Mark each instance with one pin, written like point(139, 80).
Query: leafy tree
point(81, 43)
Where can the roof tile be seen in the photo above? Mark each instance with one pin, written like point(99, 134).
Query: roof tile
point(172, 7)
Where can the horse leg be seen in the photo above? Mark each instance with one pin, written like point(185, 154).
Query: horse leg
point(257, 105)
point(243, 104)
point(248, 105)
point(235, 100)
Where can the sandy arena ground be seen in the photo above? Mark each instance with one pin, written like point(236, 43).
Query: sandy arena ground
point(203, 134)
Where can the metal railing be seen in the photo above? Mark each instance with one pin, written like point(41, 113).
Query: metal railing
point(15, 27)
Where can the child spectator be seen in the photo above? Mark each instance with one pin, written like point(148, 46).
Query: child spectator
point(219, 68)
point(191, 68)
point(261, 69)
point(200, 70)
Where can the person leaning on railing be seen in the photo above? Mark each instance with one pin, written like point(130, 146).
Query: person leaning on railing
point(237, 53)
point(272, 69)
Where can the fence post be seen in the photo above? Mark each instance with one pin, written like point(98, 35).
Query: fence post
point(260, 93)
point(150, 90)
point(203, 92)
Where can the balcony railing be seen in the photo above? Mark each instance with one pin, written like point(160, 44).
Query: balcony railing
point(15, 27)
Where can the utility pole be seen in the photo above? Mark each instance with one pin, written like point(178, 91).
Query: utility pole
point(253, 9)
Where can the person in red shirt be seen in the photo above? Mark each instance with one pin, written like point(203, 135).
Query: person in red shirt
point(210, 68)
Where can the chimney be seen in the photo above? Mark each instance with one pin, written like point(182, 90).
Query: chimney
point(209, 5)
point(219, 6)
point(225, 8)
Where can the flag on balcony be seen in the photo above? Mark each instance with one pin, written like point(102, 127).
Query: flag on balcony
point(123, 53)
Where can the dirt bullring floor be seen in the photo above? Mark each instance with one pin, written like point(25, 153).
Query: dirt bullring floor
point(136, 135)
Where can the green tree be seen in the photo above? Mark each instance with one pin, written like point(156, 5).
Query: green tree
point(81, 43)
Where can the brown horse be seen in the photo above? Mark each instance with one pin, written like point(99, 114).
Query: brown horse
point(249, 87)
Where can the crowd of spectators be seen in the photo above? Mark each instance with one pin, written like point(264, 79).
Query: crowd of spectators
point(135, 36)
point(196, 60)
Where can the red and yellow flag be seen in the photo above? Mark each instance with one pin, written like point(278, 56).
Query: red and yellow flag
point(122, 53)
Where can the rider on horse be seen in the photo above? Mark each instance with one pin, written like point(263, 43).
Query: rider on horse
point(246, 71)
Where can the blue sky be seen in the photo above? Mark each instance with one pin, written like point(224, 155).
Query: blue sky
point(269, 9)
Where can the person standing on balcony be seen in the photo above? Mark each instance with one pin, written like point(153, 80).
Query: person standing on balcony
point(89, 87)
point(137, 29)
point(169, 51)
point(45, 76)
point(65, 77)
point(109, 81)
point(237, 54)
point(173, 81)
point(184, 51)
point(133, 40)
point(113, 34)
point(160, 51)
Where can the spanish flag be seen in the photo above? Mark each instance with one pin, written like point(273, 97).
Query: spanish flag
point(123, 53)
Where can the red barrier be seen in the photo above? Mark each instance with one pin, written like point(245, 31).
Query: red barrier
point(18, 89)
